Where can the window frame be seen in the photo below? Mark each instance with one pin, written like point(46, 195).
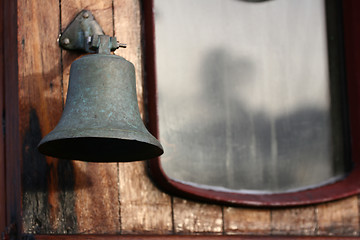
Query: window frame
point(344, 188)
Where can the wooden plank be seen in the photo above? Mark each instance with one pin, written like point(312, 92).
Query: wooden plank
point(192, 217)
point(184, 237)
point(2, 122)
point(12, 138)
point(96, 190)
point(40, 103)
point(127, 18)
point(247, 221)
point(339, 218)
point(294, 221)
point(97, 197)
point(144, 209)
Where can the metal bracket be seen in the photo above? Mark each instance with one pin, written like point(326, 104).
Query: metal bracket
point(84, 34)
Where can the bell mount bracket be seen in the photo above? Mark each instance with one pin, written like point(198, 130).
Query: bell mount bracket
point(84, 34)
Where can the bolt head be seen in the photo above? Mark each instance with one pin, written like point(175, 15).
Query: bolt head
point(66, 41)
point(85, 15)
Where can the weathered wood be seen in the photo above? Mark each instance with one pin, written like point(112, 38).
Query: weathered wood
point(96, 190)
point(11, 103)
point(184, 237)
point(40, 102)
point(2, 122)
point(193, 217)
point(247, 221)
point(144, 209)
point(339, 218)
point(127, 19)
point(97, 197)
point(294, 221)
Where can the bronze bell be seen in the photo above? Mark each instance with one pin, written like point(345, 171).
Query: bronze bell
point(101, 120)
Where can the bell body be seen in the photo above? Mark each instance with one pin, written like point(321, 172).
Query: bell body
point(101, 120)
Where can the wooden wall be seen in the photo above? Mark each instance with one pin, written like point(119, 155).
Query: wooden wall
point(2, 105)
point(72, 197)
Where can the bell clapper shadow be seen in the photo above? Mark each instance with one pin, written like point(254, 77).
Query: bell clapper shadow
point(101, 120)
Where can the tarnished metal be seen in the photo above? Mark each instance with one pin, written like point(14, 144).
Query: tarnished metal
point(82, 34)
point(104, 44)
point(101, 120)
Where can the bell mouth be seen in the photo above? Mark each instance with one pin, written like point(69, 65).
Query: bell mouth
point(98, 149)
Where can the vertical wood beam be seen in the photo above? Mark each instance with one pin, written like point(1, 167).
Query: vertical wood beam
point(2, 124)
point(351, 29)
point(40, 103)
point(144, 209)
point(12, 139)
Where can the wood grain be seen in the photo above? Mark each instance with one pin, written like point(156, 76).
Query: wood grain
point(97, 197)
point(40, 103)
point(2, 122)
point(127, 21)
point(294, 221)
point(247, 221)
point(11, 101)
point(339, 218)
point(96, 190)
point(144, 209)
point(193, 217)
point(185, 237)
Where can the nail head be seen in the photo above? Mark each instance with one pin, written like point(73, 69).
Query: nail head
point(66, 41)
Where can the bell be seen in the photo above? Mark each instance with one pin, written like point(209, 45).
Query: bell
point(101, 120)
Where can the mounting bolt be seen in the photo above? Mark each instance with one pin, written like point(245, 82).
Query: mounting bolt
point(66, 41)
point(85, 15)
point(121, 45)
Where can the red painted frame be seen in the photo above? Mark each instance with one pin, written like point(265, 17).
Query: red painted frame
point(344, 188)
